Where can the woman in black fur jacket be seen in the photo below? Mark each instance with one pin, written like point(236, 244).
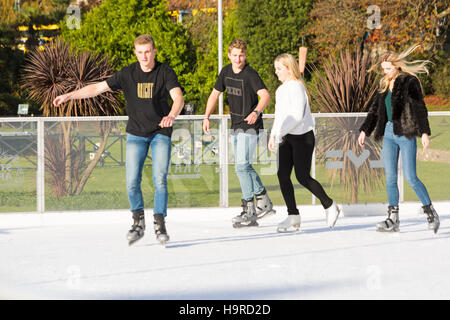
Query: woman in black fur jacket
point(398, 114)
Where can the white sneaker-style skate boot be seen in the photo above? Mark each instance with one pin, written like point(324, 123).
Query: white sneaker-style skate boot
point(137, 229)
point(432, 217)
point(264, 206)
point(292, 220)
point(248, 216)
point(392, 223)
point(332, 214)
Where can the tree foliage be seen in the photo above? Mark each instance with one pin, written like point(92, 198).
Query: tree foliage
point(344, 86)
point(204, 28)
point(270, 28)
point(112, 27)
point(401, 23)
point(52, 72)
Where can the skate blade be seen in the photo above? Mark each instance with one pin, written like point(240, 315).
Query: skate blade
point(238, 225)
point(434, 228)
point(388, 231)
point(131, 242)
point(288, 230)
point(163, 240)
point(266, 214)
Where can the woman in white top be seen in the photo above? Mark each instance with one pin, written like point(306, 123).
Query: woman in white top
point(293, 131)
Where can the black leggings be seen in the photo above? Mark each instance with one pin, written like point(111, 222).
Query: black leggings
point(296, 152)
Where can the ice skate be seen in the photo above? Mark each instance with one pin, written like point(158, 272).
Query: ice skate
point(432, 217)
point(292, 221)
point(137, 229)
point(392, 223)
point(248, 216)
point(160, 229)
point(332, 214)
point(264, 206)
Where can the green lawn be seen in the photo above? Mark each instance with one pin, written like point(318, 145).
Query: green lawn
point(106, 189)
point(199, 187)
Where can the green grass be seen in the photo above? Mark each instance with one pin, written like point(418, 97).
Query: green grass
point(106, 188)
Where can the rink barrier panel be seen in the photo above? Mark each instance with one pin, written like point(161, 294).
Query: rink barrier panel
point(223, 150)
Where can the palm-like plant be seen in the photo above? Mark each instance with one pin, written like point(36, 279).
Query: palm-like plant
point(58, 70)
point(344, 86)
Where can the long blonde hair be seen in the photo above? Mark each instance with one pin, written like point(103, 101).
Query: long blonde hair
point(399, 61)
point(289, 61)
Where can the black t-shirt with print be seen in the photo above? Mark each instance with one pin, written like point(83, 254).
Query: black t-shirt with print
point(242, 94)
point(146, 95)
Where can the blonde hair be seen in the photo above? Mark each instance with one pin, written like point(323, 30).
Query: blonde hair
point(238, 44)
point(289, 61)
point(399, 61)
point(144, 39)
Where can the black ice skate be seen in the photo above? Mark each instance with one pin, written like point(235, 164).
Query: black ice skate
point(160, 228)
point(432, 217)
point(137, 229)
point(392, 223)
point(248, 216)
point(264, 206)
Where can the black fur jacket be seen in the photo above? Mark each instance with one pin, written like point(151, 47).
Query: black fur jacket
point(409, 113)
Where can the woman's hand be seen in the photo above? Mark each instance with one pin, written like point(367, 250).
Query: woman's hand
point(271, 145)
point(361, 139)
point(425, 141)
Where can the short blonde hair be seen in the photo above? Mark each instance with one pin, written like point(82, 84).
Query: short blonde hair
point(144, 39)
point(238, 44)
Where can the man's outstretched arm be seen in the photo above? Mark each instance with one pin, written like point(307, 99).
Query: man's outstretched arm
point(89, 91)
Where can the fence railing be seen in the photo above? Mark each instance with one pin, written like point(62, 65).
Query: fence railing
point(59, 164)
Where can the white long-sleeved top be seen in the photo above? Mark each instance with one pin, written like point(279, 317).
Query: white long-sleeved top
point(292, 111)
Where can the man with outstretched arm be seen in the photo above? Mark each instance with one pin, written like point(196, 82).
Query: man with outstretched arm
point(147, 85)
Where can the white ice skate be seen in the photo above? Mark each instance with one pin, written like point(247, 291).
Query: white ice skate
point(292, 221)
point(332, 214)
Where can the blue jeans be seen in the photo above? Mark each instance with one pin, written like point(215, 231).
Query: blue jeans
point(392, 144)
point(244, 147)
point(137, 150)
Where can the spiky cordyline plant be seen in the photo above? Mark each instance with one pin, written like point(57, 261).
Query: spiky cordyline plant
point(57, 70)
point(345, 86)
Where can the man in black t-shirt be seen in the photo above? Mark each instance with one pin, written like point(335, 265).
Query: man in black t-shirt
point(147, 85)
point(243, 86)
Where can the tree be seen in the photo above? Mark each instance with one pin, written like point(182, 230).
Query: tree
point(204, 28)
point(56, 70)
point(111, 28)
point(393, 25)
point(270, 28)
point(346, 86)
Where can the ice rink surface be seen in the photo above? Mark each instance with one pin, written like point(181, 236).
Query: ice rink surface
point(85, 255)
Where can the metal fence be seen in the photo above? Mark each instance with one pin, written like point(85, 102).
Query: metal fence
point(60, 164)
